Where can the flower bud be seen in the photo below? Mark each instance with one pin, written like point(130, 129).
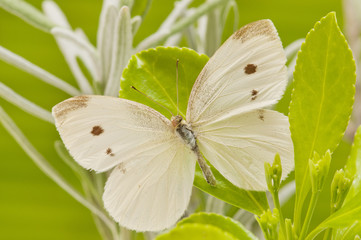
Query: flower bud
point(269, 223)
point(340, 185)
point(273, 174)
point(319, 168)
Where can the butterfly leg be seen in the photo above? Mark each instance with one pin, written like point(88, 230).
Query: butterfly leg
point(207, 172)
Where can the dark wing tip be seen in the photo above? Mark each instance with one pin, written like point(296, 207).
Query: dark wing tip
point(60, 110)
point(262, 27)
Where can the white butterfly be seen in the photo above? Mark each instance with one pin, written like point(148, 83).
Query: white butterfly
point(153, 158)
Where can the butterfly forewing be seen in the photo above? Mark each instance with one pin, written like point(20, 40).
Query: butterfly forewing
point(100, 132)
point(150, 185)
point(245, 74)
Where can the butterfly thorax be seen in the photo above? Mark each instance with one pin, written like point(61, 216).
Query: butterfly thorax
point(184, 131)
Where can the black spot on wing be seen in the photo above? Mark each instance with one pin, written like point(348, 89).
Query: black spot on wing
point(97, 130)
point(261, 114)
point(109, 152)
point(250, 68)
point(121, 167)
point(254, 94)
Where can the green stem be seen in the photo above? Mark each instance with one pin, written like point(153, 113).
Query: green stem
point(326, 236)
point(26, 66)
point(289, 232)
point(180, 25)
point(83, 176)
point(28, 13)
point(314, 233)
point(104, 230)
point(309, 214)
point(328, 231)
point(300, 198)
point(276, 201)
point(9, 95)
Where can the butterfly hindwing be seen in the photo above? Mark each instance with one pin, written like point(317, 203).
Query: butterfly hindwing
point(150, 185)
point(238, 146)
point(155, 194)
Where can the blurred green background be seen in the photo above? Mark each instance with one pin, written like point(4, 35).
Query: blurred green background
point(31, 205)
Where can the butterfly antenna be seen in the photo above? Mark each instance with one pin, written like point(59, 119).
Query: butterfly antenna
point(145, 95)
point(176, 77)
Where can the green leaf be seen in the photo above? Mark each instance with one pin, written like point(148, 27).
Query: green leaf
point(322, 99)
point(344, 217)
point(196, 231)
point(353, 169)
point(225, 223)
point(154, 73)
point(353, 166)
point(348, 233)
point(252, 201)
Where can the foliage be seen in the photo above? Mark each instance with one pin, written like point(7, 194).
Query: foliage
point(320, 109)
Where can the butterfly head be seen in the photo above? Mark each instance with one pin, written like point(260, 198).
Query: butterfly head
point(176, 120)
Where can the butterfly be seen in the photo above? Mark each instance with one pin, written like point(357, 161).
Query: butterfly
point(152, 158)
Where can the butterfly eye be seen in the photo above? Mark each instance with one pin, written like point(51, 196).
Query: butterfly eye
point(250, 68)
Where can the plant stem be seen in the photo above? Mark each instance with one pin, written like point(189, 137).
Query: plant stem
point(102, 227)
point(40, 161)
point(83, 176)
point(180, 25)
point(328, 230)
point(326, 236)
point(123, 41)
point(293, 48)
point(25, 65)
point(276, 201)
point(9, 95)
point(79, 41)
point(28, 13)
point(179, 9)
point(310, 210)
